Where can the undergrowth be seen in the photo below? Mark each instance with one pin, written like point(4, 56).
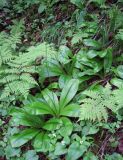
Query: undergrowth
point(61, 80)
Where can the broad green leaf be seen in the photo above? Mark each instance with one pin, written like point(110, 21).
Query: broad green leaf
point(31, 155)
point(92, 43)
point(93, 65)
point(78, 3)
point(76, 38)
point(100, 2)
point(80, 18)
point(120, 71)
point(42, 142)
point(20, 117)
point(4, 3)
point(66, 128)
point(37, 108)
point(51, 69)
point(53, 85)
point(68, 92)
point(60, 149)
point(117, 82)
point(41, 8)
point(103, 53)
point(23, 137)
point(75, 151)
point(92, 53)
point(89, 130)
point(51, 100)
point(71, 110)
point(90, 156)
point(64, 55)
point(108, 61)
point(63, 80)
point(114, 156)
point(53, 124)
point(11, 152)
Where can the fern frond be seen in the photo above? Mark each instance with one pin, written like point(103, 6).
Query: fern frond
point(9, 78)
point(16, 88)
point(93, 108)
point(96, 105)
point(43, 50)
point(17, 68)
point(28, 78)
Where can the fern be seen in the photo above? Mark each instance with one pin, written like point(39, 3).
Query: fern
point(16, 67)
point(96, 105)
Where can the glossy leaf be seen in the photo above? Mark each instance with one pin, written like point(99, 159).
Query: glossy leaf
point(75, 151)
point(68, 92)
point(108, 61)
point(41, 8)
point(90, 156)
point(66, 128)
point(60, 149)
point(20, 117)
point(42, 142)
point(63, 80)
point(120, 71)
point(23, 137)
point(64, 55)
point(92, 43)
point(31, 155)
point(71, 110)
point(117, 82)
point(37, 108)
point(51, 100)
point(78, 3)
point(53, 124)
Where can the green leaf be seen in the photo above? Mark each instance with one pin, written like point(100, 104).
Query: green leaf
point(120, 71)
point(42, 142)
point(117, 82)
point(90, 156)
point(71, 110)
point(63, 80)
point(80, 18)
point(108, 60)
point(89, 130)
point(99, 2)
point(76, 38)
point(51, 100)
point(68, 92)
point(92, 53)
point(66, 128)
point(31, 155)
point(23, 137)
point(60, 149)
point(78, 3)
point(52, 68)
point(41, 8)
point(37, 108)
point(64, 55)
point(103, 53)
point(11, 152)
point(114, 156)
point(92, 43)
point(75, 151)
point(53, 124)
point(21, 117)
